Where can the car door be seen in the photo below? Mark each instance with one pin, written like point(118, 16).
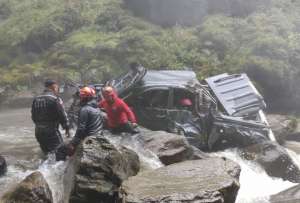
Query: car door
point(152, 106)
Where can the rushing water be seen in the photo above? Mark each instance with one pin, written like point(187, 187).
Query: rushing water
point(148, 159)
point(256, 185)
point(18, 145)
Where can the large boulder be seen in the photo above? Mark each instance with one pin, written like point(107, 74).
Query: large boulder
point(102, 169)
point(291, 195)
point(282, 126)
point(212, 180)
point(170, 148)
point(3, 166)
point(274, 159)
point(32, 189)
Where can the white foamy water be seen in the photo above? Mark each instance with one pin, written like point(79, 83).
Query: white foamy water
point(147, 157)
point(18, 145)
point(255, 185)
point(53, 172)
point(12, 177)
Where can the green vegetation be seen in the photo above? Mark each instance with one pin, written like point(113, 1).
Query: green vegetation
point(91, 40)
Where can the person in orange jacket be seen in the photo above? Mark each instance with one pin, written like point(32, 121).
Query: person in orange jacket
point(120, 118)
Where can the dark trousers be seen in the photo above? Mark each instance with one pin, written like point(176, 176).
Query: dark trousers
point(48, 137)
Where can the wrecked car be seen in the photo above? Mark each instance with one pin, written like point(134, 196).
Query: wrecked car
point(224, 111)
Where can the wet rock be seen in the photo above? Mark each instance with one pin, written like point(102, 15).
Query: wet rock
point(283, 127)
point(102, 169)
point(170, 148)
point(274, 159)
point(32, 189)
point(292, 145)
point(291, 195)
point(212, 180)
point(3, 166)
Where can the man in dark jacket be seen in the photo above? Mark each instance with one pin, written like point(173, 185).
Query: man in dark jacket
point(90, 120)
point(47, 113)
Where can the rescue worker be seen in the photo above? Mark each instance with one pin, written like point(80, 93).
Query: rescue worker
point(90, 122)
point(47, 113)
point(120, 118)
point(186, 104)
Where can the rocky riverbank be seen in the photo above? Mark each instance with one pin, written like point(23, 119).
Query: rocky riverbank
point(105, 166)
point(155, 166)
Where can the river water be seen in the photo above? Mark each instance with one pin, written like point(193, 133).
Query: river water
point(19, 147)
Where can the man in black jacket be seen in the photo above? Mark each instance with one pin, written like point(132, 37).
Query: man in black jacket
point(47, 113)
point(90, 122)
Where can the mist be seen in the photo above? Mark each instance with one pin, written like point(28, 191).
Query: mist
point(94, 40)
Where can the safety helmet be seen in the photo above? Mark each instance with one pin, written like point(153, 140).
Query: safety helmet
point(87, 92)
point(185, 102)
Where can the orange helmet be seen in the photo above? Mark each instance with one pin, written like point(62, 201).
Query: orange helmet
point(87, 92)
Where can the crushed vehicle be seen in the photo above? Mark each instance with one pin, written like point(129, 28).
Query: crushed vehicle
point(224, 111)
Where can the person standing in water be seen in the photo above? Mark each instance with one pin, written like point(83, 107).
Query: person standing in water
point(47, 112)
point(90, 122)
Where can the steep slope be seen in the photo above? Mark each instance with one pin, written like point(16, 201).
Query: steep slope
point(90, 40)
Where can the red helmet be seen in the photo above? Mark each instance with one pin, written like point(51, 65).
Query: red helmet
point(185, 102)
point(87, 92)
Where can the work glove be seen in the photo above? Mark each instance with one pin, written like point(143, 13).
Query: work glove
point(64, 150)
point(71, 149)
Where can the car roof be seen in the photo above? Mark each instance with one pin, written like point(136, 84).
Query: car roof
point(178, 78)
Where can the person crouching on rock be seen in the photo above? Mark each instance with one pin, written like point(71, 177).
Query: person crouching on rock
point(47, 112)
point(90, 122)
point(120, 118)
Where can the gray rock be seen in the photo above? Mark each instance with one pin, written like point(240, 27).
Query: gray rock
point(291, 195)
point(32, 189)
point(211, 180)
point(170, 148)
point(3, 166)
point(274, 159)
point(292, 145)
point(102, 169)
point(283, 127)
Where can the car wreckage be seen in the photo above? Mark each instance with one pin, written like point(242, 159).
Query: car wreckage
point(225, 110)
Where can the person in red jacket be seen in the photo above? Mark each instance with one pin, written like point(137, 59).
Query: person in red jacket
point(120, 118)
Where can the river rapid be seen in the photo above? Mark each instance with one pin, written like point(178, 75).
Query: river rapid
point(22, 152)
